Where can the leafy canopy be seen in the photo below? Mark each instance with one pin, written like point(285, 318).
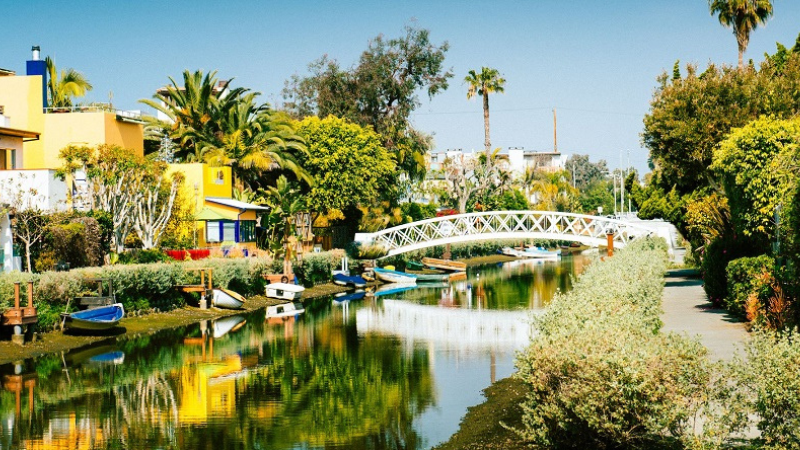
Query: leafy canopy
point(348, 163)
point(380, 91)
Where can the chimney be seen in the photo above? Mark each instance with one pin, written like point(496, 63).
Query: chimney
point(38, 67)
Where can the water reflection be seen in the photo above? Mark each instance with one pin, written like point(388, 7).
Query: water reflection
point(375, 373)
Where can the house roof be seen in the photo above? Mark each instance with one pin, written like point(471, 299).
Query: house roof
point(18, 133)
point(236, 204)
point(209, 214)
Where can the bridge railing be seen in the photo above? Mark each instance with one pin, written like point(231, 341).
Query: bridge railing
point(504, 224)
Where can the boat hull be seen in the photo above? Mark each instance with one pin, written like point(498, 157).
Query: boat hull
point(391, 276)
point(285, 291)
point(345, 280)
point(97, 319)
point(223, 298)
point(444, 264)
point(432, 277)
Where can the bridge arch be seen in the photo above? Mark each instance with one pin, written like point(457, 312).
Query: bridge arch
point(497, 225)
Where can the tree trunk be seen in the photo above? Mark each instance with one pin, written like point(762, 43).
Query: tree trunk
point(486, 141)
point(28, 256)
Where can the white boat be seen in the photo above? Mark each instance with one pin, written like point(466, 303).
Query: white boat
point(530, 253)
point(285, 291)
point(285, 310)
point(393, 276)
point(224, 298)
point(541, 253)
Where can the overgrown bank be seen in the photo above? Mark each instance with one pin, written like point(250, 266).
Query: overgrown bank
point(142, 287)
point(600, 374)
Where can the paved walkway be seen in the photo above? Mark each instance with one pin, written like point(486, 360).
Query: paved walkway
point(687, 310)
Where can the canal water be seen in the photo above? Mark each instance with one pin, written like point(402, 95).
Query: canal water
point(393, 371)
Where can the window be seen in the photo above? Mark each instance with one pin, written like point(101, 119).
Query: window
point(220, 178)
point(212, 231)
point(247, 231)
point(228, 231)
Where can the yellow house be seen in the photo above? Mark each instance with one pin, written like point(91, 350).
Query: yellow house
point(220, 218)
point(22, 99)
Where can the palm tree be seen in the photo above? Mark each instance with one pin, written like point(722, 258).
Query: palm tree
point(488, 81)
point(743, 16)
point(64, 86)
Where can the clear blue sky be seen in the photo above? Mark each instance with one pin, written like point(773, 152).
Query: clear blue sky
point(594, 61)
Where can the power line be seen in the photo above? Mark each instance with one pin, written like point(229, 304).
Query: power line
point(593, 111)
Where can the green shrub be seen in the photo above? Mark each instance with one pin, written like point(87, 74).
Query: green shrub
point(715, 259)
point(600, 374)
point(315, 268)
point(743, 277)
point(148, 256)
point(770, 377)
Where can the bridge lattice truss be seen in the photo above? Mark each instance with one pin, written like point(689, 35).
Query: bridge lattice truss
point(496, 225)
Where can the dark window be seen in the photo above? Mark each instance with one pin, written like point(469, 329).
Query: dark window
point(247, 231)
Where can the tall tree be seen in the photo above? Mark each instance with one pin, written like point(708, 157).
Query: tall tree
point(64, 86)
point(487, 81)
point(112, 172)
point(743, 16)
point(380, 91)
point(350, 167)
point(226, 126)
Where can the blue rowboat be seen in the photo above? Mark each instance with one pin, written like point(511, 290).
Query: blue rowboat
point(96, 319)
point(344, 280)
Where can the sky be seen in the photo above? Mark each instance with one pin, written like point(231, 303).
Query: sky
point(595, 62)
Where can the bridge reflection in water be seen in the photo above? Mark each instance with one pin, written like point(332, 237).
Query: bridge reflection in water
point(454, 329)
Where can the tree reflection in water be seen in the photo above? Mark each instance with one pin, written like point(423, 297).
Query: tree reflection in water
point(255, 388)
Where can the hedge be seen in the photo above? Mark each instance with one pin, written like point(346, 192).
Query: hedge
point(744, 275)
point(145, 286)
point(599, 373)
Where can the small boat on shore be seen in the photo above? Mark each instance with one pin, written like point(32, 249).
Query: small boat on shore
point(224, 298)
point(345, 280)
point(431, 277)
point(531, 253)
point(444, 264)
point(97, 319)
point(414, 265)
point(538, 252)
point(284, 291)
point(393, 276)
point(285, 310)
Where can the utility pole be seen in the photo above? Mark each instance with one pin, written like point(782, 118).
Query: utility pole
point(555, 136)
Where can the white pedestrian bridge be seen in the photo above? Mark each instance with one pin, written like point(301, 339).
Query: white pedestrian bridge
point(497, 225)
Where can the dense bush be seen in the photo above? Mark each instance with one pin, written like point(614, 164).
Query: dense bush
point(715, 259)
point(315, 268)
point(770, 377)
point(744, 280)
point(600, 375)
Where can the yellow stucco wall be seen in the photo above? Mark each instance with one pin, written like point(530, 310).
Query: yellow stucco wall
point(125, 134)
point(21, 97)
point(217, 182)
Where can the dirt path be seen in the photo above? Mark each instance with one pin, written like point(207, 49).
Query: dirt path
point(687, 310)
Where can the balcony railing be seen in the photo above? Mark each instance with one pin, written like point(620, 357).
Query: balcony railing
point(133, 115)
